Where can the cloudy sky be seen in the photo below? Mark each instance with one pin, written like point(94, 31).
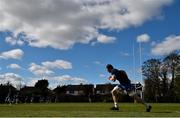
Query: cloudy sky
point(71, 41)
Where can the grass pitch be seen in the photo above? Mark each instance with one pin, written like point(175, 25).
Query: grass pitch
point(87, 110)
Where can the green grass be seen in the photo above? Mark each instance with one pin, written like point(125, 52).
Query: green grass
point(88, 109)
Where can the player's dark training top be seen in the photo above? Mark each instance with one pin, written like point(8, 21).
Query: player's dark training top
point(121, 76)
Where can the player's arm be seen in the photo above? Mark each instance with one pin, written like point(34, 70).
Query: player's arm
point(112, 78)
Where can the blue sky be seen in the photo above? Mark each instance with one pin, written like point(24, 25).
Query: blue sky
point(71, 44)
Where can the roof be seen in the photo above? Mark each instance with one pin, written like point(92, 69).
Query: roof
point(79, 87)
point(28, 88)
point(105, 86)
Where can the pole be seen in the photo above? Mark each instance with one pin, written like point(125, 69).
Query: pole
point(134, 60)
point(140, 60)
point(134, 64)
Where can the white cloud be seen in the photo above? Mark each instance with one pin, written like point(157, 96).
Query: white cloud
point(125, 54)
point(14, 41)
point(105, 39)
point(10, 40)
point(39, 70)
point(12, 78)
point(98, 63)
point(32, 81)
point(59, 80)
point(12, 54)
point(102, 75)
point(67, 79)
point(170, 44)
point(17, 81)
point(14, 66)
point(143, 38)
point(47, 67)
point(62, 23)
point(60, 64)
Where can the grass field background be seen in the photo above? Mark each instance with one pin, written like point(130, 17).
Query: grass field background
point(88, 109)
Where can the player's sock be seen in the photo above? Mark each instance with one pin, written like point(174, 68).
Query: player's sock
point(115, 105)
point(148, 109)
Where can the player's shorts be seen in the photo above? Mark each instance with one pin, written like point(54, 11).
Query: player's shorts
point(126, 89)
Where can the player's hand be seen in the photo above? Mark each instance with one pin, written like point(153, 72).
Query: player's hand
point(112, 78)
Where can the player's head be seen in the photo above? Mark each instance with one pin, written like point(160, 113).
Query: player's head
point(109, 68)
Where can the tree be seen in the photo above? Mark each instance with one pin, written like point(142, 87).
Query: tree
point(149, 90)
point(151, 72)
point(173, 62)
point(6, 90)
point(164, 81)
point(162, 78)
point(42, 85)
point(60, 90)
point(177, 87)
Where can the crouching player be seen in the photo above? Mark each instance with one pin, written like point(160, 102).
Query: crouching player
point(124, 87)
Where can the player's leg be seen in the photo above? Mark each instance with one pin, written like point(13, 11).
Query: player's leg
point(115, 97)
point(140, 100)
point(115, 92)
point(147, 106)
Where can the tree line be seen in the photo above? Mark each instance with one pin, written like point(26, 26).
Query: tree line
point(162, 79)
point(40, 93)
point(10, 94)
